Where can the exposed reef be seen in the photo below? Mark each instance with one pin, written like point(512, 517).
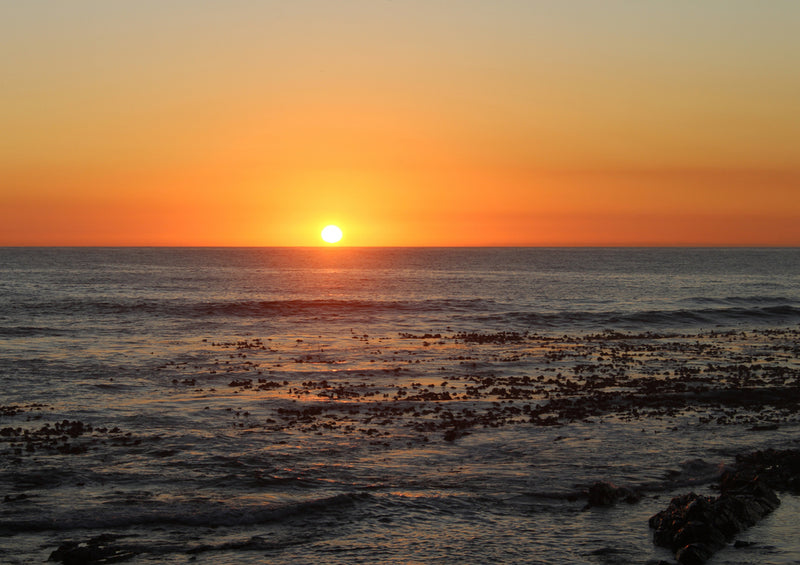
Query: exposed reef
point(421, 387)
point(694, 527)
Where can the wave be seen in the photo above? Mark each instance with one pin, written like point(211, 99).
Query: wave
point(738, 300)
point(244, 308)
point(324, 307)
point(644, 319)
point(714, 316)
point(209, 515)
point(691, 313)
point(31, 331)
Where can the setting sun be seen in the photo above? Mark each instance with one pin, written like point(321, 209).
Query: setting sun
point(321, 228)
point(619, 124)
point(331, 234)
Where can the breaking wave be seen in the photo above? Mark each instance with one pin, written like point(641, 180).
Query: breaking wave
point(209, 515)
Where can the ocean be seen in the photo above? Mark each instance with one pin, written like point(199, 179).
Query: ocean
point(386, 405)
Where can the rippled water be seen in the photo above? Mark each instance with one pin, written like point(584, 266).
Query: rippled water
point(385, 405)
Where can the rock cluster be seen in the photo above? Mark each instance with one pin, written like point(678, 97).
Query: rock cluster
point(780, 469)
point(68, 437)
point(694, 527)
point(420, 385)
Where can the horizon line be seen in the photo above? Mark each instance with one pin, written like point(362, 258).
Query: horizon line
point(612, 246)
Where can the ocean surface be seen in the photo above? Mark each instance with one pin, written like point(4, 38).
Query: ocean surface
point(386, 405)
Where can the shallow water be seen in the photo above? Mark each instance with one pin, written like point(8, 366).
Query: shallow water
point(400, 405)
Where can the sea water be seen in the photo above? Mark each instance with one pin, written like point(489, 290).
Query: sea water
point(386, 405)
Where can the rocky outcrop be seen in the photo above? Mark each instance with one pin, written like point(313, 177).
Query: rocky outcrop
point(694, 526)
point(780, 469)
point(603, 493)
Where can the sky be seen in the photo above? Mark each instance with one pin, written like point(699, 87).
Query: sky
point(405, 122)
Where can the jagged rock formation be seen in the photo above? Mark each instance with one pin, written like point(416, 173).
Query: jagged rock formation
point(694, 526)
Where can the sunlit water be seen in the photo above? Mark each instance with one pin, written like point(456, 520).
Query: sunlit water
point(383, 405)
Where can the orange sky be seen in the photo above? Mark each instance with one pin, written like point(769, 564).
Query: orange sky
point(406, 123)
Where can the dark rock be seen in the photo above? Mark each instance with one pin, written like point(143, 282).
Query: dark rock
point(694, 554)
point(454, 434)
point(780, 469)
point(763, 428)
point(702, 533)
point(694, 527)
point(603, 493)
point(739, 544)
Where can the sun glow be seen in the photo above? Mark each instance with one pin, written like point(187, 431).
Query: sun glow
point(331, 234)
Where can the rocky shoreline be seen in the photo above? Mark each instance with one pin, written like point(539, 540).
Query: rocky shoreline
point(429, 389)
point(694, 527)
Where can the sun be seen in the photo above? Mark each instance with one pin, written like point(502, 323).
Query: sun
point(331, 234)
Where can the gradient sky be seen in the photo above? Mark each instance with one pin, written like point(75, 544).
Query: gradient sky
point(192, 122)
